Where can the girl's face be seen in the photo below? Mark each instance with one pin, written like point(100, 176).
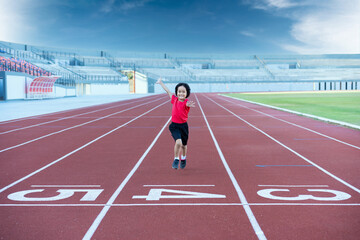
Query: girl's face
point(181, 93)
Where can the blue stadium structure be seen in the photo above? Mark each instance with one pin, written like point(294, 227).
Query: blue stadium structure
point(80, 72)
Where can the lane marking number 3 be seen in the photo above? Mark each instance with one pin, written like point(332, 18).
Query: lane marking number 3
point(337, 195)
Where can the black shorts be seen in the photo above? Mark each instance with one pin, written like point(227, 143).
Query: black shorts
point(180, 131)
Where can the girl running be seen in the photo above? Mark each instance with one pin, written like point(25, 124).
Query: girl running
point(179, 128)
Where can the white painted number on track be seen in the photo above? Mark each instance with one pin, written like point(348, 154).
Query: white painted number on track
point(337, 195)
point(157, 194)
point(90, 195)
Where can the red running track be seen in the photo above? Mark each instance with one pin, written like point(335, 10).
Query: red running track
point(104, 172)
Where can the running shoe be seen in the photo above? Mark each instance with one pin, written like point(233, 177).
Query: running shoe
point(175, 164)
point(182, 164)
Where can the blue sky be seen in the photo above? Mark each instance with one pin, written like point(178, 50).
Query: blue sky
point(184, 26)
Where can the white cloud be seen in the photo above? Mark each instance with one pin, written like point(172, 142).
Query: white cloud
point(107, 6)
point(281, 3)
point(269, 5)
point(14, 18)
point(123, 5)
point(247, 33)
point(323, 26)
point(335, 28)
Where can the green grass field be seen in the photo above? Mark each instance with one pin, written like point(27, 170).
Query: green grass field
point(340, 106)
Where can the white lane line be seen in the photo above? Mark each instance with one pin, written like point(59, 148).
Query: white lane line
point(179, 185)
point(260, 234)
point(64, 118)
point(172, 204)
point(79, 125)
point(55, 186)
point(48, 115)
point(294, 124)
point(76, 150)
point(293, 185)
point(103, 212)
point(291, 150)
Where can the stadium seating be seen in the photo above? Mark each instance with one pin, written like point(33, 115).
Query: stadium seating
point(19, 65)
point(100, 67)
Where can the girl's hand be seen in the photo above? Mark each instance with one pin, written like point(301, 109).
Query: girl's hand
point(190, 104)
point(158, 81)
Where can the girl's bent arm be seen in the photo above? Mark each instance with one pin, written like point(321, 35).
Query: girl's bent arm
point(159, 81)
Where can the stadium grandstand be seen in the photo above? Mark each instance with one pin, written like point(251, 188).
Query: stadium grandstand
point(28, 72)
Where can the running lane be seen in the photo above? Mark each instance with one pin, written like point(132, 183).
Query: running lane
point(292, 198)
point(200, 202)
point(14, 124)
point(40, 127)
point(22, 160)
point(62, 201)
point(337, 149)
point(158, 202)
point(341, 133)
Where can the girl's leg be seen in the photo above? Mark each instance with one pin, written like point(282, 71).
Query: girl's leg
point(183, 159)
point(183, 151)
point(177, 148)
point(177, 151)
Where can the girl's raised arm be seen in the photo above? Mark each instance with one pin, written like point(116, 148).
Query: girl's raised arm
point(159, 81)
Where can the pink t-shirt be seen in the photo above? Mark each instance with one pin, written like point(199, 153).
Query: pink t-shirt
point(179, 110)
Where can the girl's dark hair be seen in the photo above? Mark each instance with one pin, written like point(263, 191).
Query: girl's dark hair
point(186, 86)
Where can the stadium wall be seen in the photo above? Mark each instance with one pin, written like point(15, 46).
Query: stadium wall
point(266, 86)
point(2, 85)
point(110, 89)
point(13, 86)
point(61, 91)
point(242, 87)
point(141, 83)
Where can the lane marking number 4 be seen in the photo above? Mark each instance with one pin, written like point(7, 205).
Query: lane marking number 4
point(156, 194)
